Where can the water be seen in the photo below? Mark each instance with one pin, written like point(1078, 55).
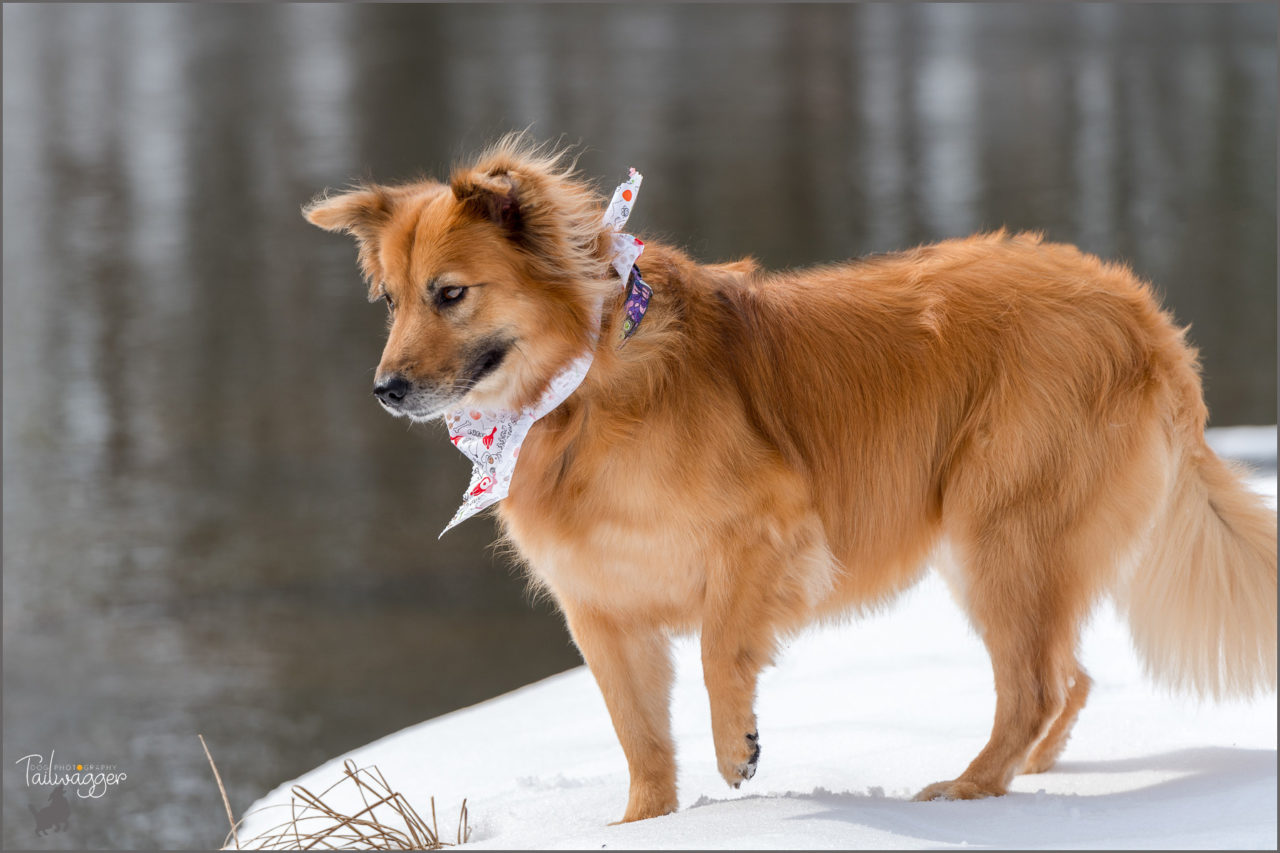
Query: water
point(210, 527)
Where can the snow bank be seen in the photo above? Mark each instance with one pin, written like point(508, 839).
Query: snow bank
point(1255, 445)
point(853, 721)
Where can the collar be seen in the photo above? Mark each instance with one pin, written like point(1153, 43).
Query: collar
point(635, 304)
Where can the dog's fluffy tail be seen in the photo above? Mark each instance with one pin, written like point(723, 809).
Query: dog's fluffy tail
point(1201, 601)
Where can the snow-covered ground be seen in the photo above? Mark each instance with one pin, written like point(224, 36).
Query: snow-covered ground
point(853, 721)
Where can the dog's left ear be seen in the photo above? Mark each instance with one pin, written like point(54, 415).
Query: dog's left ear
point(493, 196)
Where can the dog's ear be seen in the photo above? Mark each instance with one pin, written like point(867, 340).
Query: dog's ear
point(493, 196)
point(360, 213)
point(357, 212)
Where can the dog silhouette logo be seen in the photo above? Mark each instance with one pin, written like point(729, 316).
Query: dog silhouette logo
point(55, 815)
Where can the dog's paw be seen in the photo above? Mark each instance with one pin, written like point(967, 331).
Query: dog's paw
point(1040, 762)
point(647, 802)
point(1045, 755)
point(957, 789)
point(741, 764)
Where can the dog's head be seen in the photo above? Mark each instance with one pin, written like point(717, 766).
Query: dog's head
point(492, 282)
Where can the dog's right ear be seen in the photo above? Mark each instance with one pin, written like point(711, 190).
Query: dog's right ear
point(360, 213)
point(493, 195)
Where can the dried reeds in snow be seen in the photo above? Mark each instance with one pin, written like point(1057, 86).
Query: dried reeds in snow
point(386, 820)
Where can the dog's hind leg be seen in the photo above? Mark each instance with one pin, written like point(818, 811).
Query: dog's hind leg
point(632, 664)
point(1019, 594)
point(1051, 745)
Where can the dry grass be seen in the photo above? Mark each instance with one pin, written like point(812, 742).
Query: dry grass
point(387, 821)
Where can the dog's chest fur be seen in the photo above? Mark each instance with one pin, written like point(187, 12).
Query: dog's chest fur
point(613, 520)
point(640, 517)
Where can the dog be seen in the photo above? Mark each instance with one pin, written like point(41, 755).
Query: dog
point(771, 449)
point(55, 816)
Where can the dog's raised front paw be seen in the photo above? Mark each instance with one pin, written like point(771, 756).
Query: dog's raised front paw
point(741, 766)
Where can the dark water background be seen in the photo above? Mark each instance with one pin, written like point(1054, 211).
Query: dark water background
point(208, 524)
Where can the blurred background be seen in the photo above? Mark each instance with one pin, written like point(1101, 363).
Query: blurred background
point(209, 526)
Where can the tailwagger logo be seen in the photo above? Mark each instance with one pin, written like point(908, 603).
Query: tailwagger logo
point(88, 781)
point(78, 780)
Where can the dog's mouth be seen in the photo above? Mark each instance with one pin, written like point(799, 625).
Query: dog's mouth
point(485, 362)
point(421, 401)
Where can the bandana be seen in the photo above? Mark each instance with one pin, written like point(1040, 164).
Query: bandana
point(492, 439)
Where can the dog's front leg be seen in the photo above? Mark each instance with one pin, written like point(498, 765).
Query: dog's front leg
point(632, 664)
point(737, 642)
point(756, 588)
point(734, 650)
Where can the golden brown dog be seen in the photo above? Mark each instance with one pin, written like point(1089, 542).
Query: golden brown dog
point(770, 449)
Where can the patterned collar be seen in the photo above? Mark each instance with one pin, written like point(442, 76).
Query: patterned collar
point(635, 305)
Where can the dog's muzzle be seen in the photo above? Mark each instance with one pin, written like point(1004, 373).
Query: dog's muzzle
point(401, 397)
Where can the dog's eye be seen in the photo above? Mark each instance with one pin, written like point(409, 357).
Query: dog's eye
point(451, 294)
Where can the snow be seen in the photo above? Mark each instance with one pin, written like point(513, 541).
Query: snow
point(1252, 444)
point(853, 719)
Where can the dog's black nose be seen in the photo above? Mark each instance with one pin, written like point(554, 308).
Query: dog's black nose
point(392, 390)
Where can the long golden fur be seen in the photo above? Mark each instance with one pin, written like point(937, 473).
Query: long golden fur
point(772, 449)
